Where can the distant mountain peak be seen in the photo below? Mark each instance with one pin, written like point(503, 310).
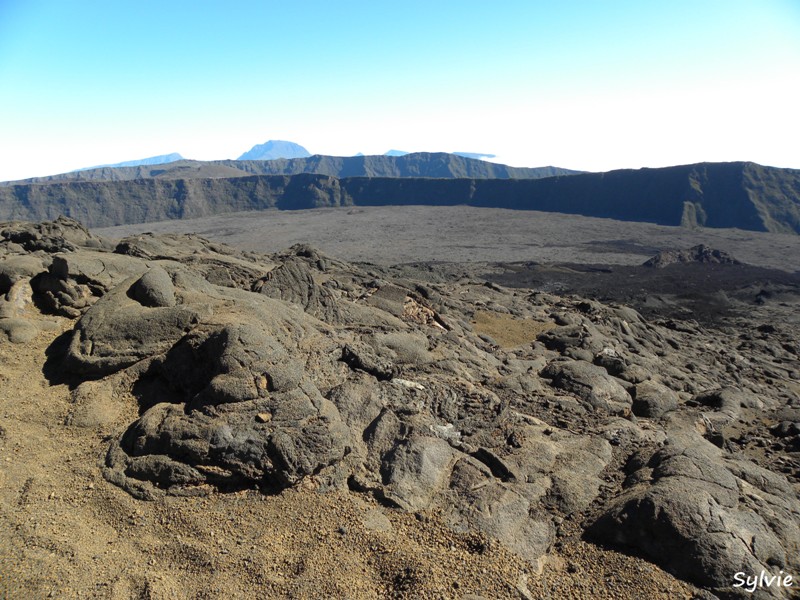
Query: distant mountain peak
point(397, 153)
point(275, 149)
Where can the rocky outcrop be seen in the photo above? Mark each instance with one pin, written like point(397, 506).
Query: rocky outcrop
point(697, 254)
point(705, 515)
point(273, 371)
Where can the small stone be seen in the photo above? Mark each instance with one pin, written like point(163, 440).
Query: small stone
point(264, 417)
point(375, 520)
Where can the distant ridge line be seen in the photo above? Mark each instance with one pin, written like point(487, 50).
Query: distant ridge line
point(417, 164)
point(152, 160)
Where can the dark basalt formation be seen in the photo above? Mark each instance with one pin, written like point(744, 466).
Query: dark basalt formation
point(698, 254)
point(666, 438)
point(740, 195)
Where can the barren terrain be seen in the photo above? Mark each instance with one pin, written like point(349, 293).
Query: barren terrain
point(392, 235)
point(66, 531)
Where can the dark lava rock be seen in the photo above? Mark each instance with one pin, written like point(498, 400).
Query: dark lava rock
point(696, 254)
point(651, 399)
point(62, 235)
point(705, 517)
point(117, 332)
point(293, 282)
point(591, 383)
point(17, 267)
point(155, 288)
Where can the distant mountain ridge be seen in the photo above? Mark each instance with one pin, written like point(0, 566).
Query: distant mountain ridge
point(153, 160)
point(417, 164)
point(741, 195)
point(440, 165)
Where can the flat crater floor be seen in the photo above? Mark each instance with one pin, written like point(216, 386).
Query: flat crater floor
point(401, 234)
point(550, 252)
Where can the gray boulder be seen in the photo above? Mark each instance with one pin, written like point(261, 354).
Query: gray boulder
point(117, 332)
point(651, 399)
point(416, 470)
point(686, 509)
point(293, 282)
point(726, 403)
point(589, 382)
point(18, 331)
point(479, 501)
point(271, 442)
point(155, 288)
point(14, 268)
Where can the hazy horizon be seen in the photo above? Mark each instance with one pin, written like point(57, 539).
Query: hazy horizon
point(578, 85)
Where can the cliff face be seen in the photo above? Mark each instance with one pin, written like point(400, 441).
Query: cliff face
point(740, 195)
point(775, 193)
point(106, 203)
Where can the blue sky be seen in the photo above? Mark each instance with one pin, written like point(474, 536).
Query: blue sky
point(578, 84)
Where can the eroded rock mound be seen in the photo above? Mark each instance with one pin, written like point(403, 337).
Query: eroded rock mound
point(265, 371)
point(62, 235)
point(700, 254)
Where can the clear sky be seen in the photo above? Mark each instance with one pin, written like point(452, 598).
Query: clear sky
point(579, 84)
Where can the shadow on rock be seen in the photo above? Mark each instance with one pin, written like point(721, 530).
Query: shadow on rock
point(54, 366)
